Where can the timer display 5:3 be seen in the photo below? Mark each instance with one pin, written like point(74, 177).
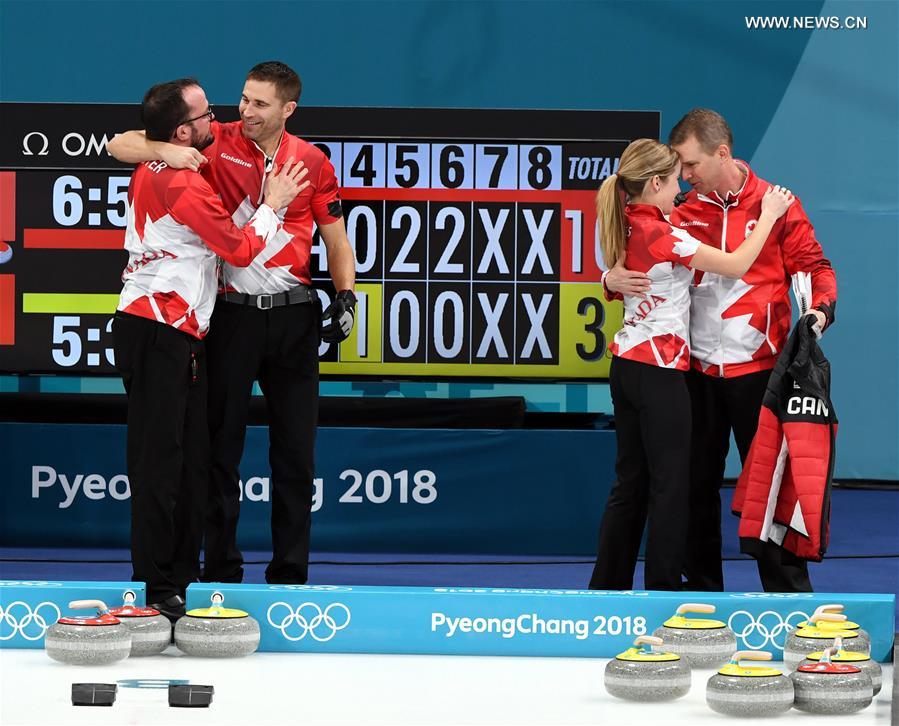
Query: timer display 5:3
point(71, 341)
point(71, 198)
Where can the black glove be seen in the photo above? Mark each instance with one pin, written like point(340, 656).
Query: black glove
point(338, 318)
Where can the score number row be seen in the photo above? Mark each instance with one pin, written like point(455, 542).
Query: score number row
point(418, 165)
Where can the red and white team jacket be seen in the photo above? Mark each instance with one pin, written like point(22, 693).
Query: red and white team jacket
point(783, 494)
point(656, 329)
point(176, 226)
point(237, 169)
point(740, 326)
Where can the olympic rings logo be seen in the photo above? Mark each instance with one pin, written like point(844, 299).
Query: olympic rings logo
point(311, 620)
point(769, 628)
point(18, 618)
point(320, 588)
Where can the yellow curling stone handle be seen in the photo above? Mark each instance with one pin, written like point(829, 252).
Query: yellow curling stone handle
point(648, 640)
point(836, 608)
point(680, 621)
point(637, 654)
point(695, 607)
point(820, 615)
point(735, 668)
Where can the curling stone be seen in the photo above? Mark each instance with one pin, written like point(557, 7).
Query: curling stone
point(813, 638)
point(859, 660)
point(702, 643)
point(217, 631)
point(151, 632)
point(92, 640)
point(639, 674)
point(861, 645)
point(831, 688)
point(738, 690)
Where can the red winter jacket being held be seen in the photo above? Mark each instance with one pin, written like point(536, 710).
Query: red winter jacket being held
point(783, 494)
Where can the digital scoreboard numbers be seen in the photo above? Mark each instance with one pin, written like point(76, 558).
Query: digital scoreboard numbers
point(65, 269)
point(476, 253)
point(473, 257)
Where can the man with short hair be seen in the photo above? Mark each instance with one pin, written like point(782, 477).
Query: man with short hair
point(267, 321)
point(737, 330)
point(176, 227)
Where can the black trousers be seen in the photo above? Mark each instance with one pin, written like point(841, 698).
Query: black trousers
point(279, 348)
point(719, 406)
point(164, 372)
point(652, 431)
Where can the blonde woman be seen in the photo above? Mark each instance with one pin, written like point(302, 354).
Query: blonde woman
point(650, 355)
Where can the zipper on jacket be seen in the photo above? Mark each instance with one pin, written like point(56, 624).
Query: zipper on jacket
point(768, 330)
point(268, 164)
point(266, 170)
point(720, 317)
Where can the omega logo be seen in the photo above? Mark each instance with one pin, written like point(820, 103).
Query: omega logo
point(27, 144)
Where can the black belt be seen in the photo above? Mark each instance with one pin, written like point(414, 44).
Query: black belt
point(295, 296)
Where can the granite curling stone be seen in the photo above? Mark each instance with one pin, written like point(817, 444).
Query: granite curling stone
point(860, 645)
point(151, 632)
point(812, 638)
point(831, 688)
point(701, 642)
point(91, 640)
point(748, 691)
point(859, 660)
point(639, 674)
point(217, 631)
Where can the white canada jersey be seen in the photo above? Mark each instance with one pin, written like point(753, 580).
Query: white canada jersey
point(176, 227)
point(656, 328)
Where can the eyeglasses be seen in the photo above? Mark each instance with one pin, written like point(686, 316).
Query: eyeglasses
point(209, 114)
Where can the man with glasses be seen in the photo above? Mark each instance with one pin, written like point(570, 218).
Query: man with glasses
point(267, 321)
point(176, 228)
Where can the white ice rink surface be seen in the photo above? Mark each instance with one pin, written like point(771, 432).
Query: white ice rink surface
point(299, 689)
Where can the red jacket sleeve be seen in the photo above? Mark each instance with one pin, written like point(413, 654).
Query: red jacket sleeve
point(325, 202)
point(802, 253)
point(193, 203)
point(606, 292)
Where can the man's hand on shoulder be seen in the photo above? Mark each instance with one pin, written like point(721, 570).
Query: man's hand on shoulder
point(180, 157)
point(626, 282)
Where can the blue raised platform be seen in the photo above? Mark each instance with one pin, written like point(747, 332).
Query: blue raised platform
point(514, 621)
point(29, 607)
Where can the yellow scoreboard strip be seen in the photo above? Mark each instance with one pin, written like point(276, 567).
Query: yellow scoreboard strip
point(362, 354)
point(584, 331)
point(69, 303)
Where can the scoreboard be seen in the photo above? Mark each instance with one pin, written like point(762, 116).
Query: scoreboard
point(474, 233)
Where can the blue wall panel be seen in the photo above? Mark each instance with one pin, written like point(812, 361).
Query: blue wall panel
point(814, 109)
point(376, 490)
